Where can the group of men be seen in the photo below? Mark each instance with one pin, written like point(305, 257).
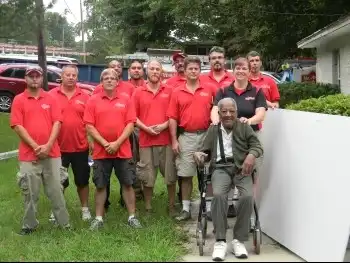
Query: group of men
point(171, 118)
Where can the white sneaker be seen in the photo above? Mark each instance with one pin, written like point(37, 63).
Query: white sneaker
point(238, 249)
point(52, 218)
point(85, 215)
point(220, 249)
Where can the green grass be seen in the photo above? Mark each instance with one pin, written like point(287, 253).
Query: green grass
point(160, 240)
point(8, 138)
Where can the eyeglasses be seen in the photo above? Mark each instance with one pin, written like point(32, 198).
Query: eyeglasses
point(109, 78)
point(218, 57)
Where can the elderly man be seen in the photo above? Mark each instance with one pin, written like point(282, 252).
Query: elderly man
point(232, 148)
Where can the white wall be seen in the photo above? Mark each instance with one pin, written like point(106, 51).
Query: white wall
point(304, 183)
point(324, 66)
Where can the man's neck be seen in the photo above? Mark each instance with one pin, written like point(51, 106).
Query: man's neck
point(192, 84)
point(153, 86)
point(109, 93)
point(68, 89)
point(34, 92)
point(137, 82)
point(181, 74)
point(255, 75)
point(218, 74)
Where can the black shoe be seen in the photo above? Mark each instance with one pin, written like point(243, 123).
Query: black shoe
point(26, 231)
point(231, 211)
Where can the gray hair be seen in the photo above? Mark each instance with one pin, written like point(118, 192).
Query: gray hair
point(217, 49)
point(74, 66)
point(226, 100)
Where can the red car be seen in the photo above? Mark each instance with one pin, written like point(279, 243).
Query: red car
point(12, 82)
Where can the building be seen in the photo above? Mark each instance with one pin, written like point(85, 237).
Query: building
point(333, 53)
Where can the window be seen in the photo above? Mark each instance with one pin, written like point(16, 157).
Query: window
point(336, 67)
point(52, 77)
point(7, 73)
point(19, 73)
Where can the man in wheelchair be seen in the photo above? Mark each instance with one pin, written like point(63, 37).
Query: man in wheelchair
point(231, 147)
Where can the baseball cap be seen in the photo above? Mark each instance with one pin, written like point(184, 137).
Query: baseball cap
point(178, 54)
point(36, 69)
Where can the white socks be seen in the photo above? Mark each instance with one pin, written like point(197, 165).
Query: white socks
point(130, 217)
point(186, 205)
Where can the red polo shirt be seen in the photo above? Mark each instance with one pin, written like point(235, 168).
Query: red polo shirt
point(192, 110)
point(123, 88)
point(268, 86)
point(176, 81)
point(72, 137)
point(110, 117)
point(37, 116)
point(151, 109)
point(225, 81)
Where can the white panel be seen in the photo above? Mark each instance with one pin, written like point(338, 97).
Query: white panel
point(304, 183)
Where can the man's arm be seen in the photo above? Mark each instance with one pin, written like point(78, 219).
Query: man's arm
point(129, 128)
point(255, 147)
point(214, 114)
point(25, 137)
point(173, 129)
point(95, 135)
point(207, 145)
point(141, 125)
point(54, 133)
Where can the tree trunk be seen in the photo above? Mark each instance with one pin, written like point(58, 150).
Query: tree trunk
point(39, 10)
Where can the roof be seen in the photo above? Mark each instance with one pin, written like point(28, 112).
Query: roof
point(336, 29)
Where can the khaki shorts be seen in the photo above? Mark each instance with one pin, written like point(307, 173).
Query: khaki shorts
point(189, 144)
point(154, 157)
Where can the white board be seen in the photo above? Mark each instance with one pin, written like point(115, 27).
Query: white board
point(304, 190)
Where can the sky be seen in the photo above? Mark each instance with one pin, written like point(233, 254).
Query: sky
point(73, 16)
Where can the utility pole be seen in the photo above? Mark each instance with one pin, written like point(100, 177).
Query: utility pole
point(82, 29)
point(39, 10)
point(63, 36)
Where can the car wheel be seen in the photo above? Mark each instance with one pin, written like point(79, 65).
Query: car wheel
point(6, 100)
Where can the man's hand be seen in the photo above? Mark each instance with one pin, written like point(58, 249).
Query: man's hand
point(248, 165)
point(175, 147)
point(199, 157)
point(215, 119)
point(159, 128)
point(42, 151)
point(151, 130)
point(245, 120)
point(113, 147)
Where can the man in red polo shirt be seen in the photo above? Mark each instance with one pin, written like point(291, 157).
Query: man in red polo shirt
point(218, 75)
point(189, 109)
point(179, 79)
point(151, 104)
point(73, 139)
point(110, 119)
point(267, 84)
point(36, 118)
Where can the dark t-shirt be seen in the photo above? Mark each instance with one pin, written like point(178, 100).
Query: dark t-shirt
point(247, 101)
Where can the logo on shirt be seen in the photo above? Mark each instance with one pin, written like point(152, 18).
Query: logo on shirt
point(45, 106)
point(204, 94)
point(249, 98)
point(120, 105)
point(79, 102)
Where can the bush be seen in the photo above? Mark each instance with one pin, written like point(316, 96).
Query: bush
point(294, 92)
point(334, 105)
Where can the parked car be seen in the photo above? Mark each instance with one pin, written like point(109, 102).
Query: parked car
point(272, 75)
point(12, 82)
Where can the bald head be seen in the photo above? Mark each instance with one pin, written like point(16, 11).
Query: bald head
point(227, 112)
point(154, 71)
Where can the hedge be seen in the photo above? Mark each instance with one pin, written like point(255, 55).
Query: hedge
point(294, 92)
point(334, 105)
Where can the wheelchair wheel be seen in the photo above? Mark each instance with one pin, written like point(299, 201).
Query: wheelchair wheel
point(204, 223)
point(200, 242)
point(257, 239)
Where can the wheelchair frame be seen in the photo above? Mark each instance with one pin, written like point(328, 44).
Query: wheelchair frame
point(202, 223)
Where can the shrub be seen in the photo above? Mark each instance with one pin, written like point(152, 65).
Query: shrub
point(334, 105)
point(294, 92)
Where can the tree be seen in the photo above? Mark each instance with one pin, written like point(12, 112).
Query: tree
point(58, 30)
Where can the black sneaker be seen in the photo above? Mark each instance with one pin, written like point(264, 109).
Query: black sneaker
point(26, 231)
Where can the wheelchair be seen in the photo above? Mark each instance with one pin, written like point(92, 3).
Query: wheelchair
point(204, 178)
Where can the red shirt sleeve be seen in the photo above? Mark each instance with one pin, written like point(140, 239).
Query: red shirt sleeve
point(89, 113)
point(130, 116)
point(173, 111)
point(56, 112)
point(274, 93)
point(16, 116)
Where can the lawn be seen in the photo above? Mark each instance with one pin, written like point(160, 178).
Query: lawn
point(160, 240)
point(8, 139)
